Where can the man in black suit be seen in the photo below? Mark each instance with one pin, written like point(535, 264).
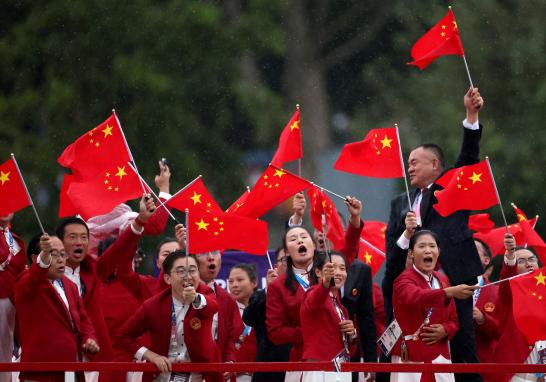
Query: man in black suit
point(459, 258)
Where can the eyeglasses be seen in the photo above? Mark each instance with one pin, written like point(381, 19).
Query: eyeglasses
point(530, 260)
point(61, 255)
point(184, 273)
point(207, 254)
point(283, 259)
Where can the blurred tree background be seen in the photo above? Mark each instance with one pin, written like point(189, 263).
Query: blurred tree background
point(208, 83)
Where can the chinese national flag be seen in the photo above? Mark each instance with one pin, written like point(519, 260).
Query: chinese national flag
point(12, 190)
point(98, 195)
point(441, 40)
point(519, 213)
point(495, 237)
point(210, 231)
point(480, 223)
point(370, 257)
point(466, 188)
point(289, 143)
point(529, 304)
point(239, 202)
point(97, 149)
point(274, 187)
point(66, 208)
point(528, 237)
point(194, 197)
point(378, 155)
point(321, 205)
point(374, 233)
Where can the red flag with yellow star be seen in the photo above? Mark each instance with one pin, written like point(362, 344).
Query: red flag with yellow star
point(321, 205)
point(12, 190)
point(274, 187)
point(373, 233)
point(210, 231)
point(194, 197)
point(239, 202)
point(66, 208)
point(466, 188)
point(378, 155)
point(519, 213)
point(99, 194)
point(494, 238)
point(529, 304)
point(290, 147)
point(480, 223)
point(441, 40)
point(370, 256)
point(96, 150)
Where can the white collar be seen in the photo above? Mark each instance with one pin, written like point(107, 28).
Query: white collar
point(240, 305)
point(300, 271)
point(426, 277)
point(72, 271)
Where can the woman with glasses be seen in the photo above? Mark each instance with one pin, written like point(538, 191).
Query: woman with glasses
point(179, 321)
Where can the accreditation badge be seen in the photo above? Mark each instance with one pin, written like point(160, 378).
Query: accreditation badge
point(390, 336)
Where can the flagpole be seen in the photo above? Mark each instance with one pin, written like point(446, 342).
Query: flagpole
point(28, 193)
point(327, 246)
point(328, 191)
point(299, 160)
point(403, 165)
point(187, 243)
point(129, 150)
point(269, 259)
point(497, 192)
point(464, 58)
point(373, 247)
point(506, 279)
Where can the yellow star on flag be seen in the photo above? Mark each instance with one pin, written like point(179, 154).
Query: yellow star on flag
point(107, 131)
point(202, 225)
point(4, 177)
point(121, 172)
point(279, 173)
point(540, 279)
point(475, 177)
point(521, 217)
point(386, 142)
point(368, 258)
point(295, 125)
point(196, 198)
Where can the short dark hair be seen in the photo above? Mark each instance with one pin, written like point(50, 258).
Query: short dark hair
point(105, 244)
point(250, 270)
point(319, 260)
point(172, 257)
point(437, 150)
point(486, 248)
point(66, 221)
point(33, 247)
point(423, 232)
point(165, 240)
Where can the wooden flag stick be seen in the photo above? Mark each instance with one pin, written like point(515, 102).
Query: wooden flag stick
point(28, 194)
point(403, 165)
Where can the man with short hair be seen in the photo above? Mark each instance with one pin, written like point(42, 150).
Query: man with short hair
point(179, 321)
point(459, 258)
point(62, 330)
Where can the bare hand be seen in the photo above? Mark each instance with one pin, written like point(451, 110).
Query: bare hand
point(460, 291)
point(146, 209)
point(411, 224)
point(433, 333)
point(478, 316)
point(347, 327)
point(473, 102)
point(354, 206)
point(509, 246)
point(45, 247)
point(327, 274)
point(189, 294)
point(91, 346)
point(272, 274)
point(162, 363)
point(162, 181)
point(298, 206)
point(180, 232)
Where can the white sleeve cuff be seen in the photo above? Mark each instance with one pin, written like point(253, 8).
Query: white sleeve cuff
point(164, 195)
point(140, 353)
point(135, 231)
point(41, 263)
point(471, 126)
point(403, 242)
point(290, 224)
point(509, 262)
point(202, 302)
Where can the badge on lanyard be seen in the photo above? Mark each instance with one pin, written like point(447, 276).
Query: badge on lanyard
point(390, 336)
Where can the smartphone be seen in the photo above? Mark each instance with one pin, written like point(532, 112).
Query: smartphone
point(164, 161)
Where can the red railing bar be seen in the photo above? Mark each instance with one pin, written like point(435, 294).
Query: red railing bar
point(509, 368)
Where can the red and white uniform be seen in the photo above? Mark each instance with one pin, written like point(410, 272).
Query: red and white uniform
point(489, 332)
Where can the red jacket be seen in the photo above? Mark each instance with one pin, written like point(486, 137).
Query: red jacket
point(229, 323)
point(283, 316)
point(352, 242)
point(48, 331)
point(154, 317)
point(322, 339)
point(488, 333)
point(16, 265)
point(412, 299)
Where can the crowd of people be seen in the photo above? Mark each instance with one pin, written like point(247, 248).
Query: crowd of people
point(73, 294)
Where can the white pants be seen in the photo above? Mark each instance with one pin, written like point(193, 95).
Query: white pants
point(326, 376)
point(416, 377)
point(7, 326)
point(293, 376)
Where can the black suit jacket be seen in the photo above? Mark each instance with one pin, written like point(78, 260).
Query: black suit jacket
point(357, 298)
point(458, 255)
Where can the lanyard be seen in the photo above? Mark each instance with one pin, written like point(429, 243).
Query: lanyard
point(342, 317)
point(11, 244)
point(304, 284)
point(174, 334)
point(476, 294)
